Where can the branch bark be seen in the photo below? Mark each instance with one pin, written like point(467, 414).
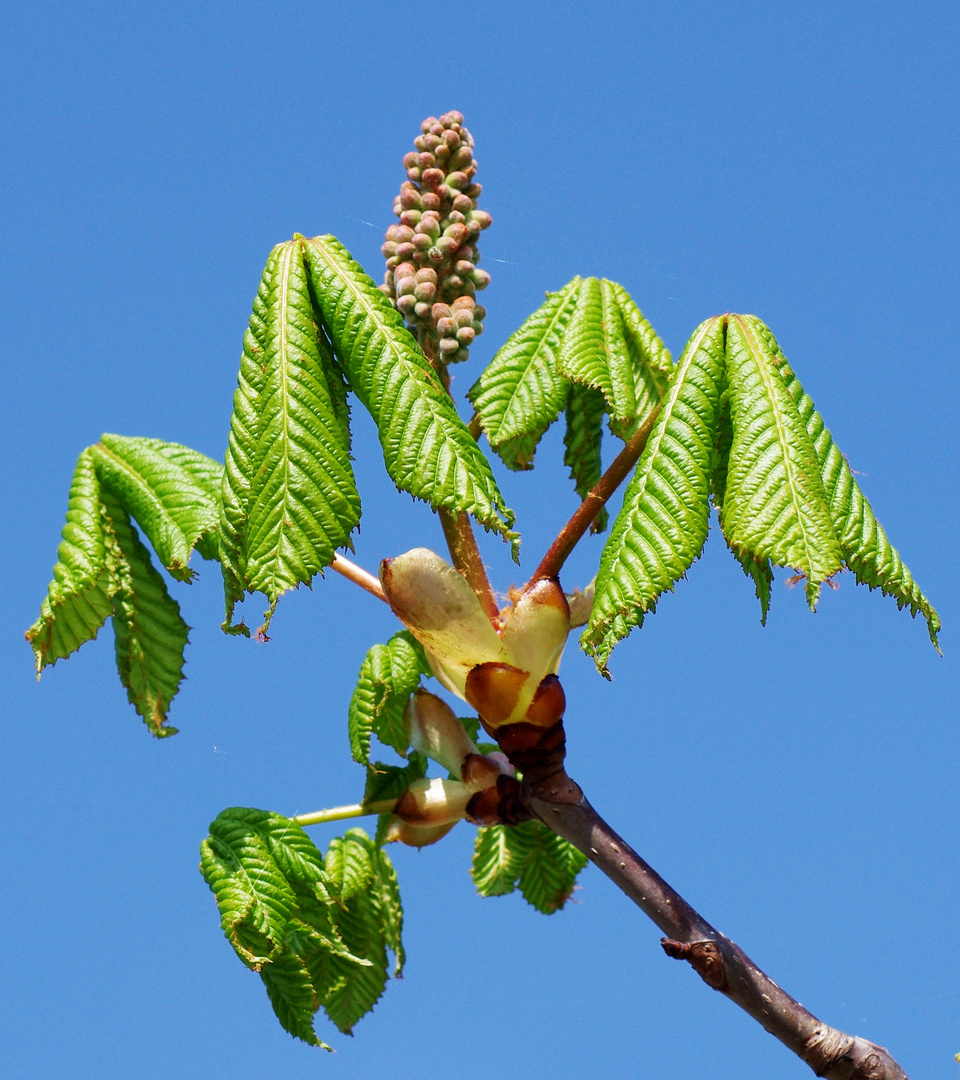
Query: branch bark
point(831, 1053)
point(586, 513)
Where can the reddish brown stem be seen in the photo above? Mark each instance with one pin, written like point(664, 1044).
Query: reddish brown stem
point(717, 960)
point(586, 513)
point(465, 554)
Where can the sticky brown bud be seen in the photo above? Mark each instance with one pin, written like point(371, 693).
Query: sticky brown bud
point(549, 703)
point(494, 689)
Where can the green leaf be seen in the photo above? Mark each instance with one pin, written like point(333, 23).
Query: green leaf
point(427, 448)
point(594, 350)
point(288, 914)
point(293, 997)
point(248, 860)
point(149, 633)
point(172, 503)
point(391, 781)
point(368, 922)
point(652, 363)
point(866, 550)
point(79, 598)
point(774, 505)
point(663, 523)
point(530, 855)
point(289, 496)
point(586, 409)
point(520, 394)
point(388, 676)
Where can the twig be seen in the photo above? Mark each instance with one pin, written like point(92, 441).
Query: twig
point(458, 532)
point(585, 514)
point(358, 576)
point(338, 813)
point(717, 960)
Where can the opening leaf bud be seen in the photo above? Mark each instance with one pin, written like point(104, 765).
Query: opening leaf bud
point(433, 802)
point(413, 836)
point(433, 730)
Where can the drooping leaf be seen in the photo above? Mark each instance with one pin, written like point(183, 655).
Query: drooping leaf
point(388, 676)
point(80, 597)
point(663, 523)
point(171, 502)
point(289, 498)
point(866, 550)
point(586, 409)
point(149, 633)
point(248, 860)
point(292, 994)
point(368, 922)
point(427, 448)
point(289, 914)
point(520, 394)
point(774, 505)
point(594, 349)
point(652, 363)
point(530, 855)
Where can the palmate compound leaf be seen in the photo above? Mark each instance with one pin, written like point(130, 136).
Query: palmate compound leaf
point(774, 505)
point(530, 855)
point(864, 545)
point(167, 489)
point(427, 448)
point(104, 569)
point(289, 495)
point(80, 597)
point(149, 634)
point(316, 930)
point(388, 676)
point(520, 394)
point(663, 523)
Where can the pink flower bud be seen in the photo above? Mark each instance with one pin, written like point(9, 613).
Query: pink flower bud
point(406, 304)
point(462, 354)
point(453, 283)
point(447, 244)
point(423, 242)
point(427, 160)
point(465, 335)
point(480, 312)
point(480, 278)
point(394, 233)
point(436, 128)
point(448, 346)
point(410, 217)
point(477, 327)
point(430, 142)
point(447, 327)
point(419, 144)
point(392, 262)
point(425, 291)
point(458, 232)
point(405, 285)
point(388, 249)
point(405, 250)
point(409, 160)
point(463, 316)
point(430, 200)
point(462, 203)
point(482, 218)
point(454, 217)
point(432, 177)
point(463, 158)
point(440, 311)
point(427, 274)
point(473, 190)
point(452, 139)
point(413, 173)
point(464, 267)
point(463, 303)
point(457, 180)
point(404, 269)
point(442, 152)
point(422, 311)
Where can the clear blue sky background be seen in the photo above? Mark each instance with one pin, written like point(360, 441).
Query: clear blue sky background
point(798, 784)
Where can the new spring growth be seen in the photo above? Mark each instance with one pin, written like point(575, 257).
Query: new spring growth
point(508, 673)
point(432, 273)
point(429, 809)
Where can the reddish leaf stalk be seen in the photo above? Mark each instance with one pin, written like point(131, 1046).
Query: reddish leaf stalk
point(717, 960)
point(458, 532)
point(586, 513)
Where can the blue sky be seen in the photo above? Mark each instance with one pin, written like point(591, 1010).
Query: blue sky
point(796, 783)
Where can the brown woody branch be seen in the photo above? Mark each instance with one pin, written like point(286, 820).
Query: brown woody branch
point(558, 802)
point(586, 513)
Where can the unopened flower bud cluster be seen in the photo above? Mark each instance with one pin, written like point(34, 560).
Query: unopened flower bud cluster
point(432, 273)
